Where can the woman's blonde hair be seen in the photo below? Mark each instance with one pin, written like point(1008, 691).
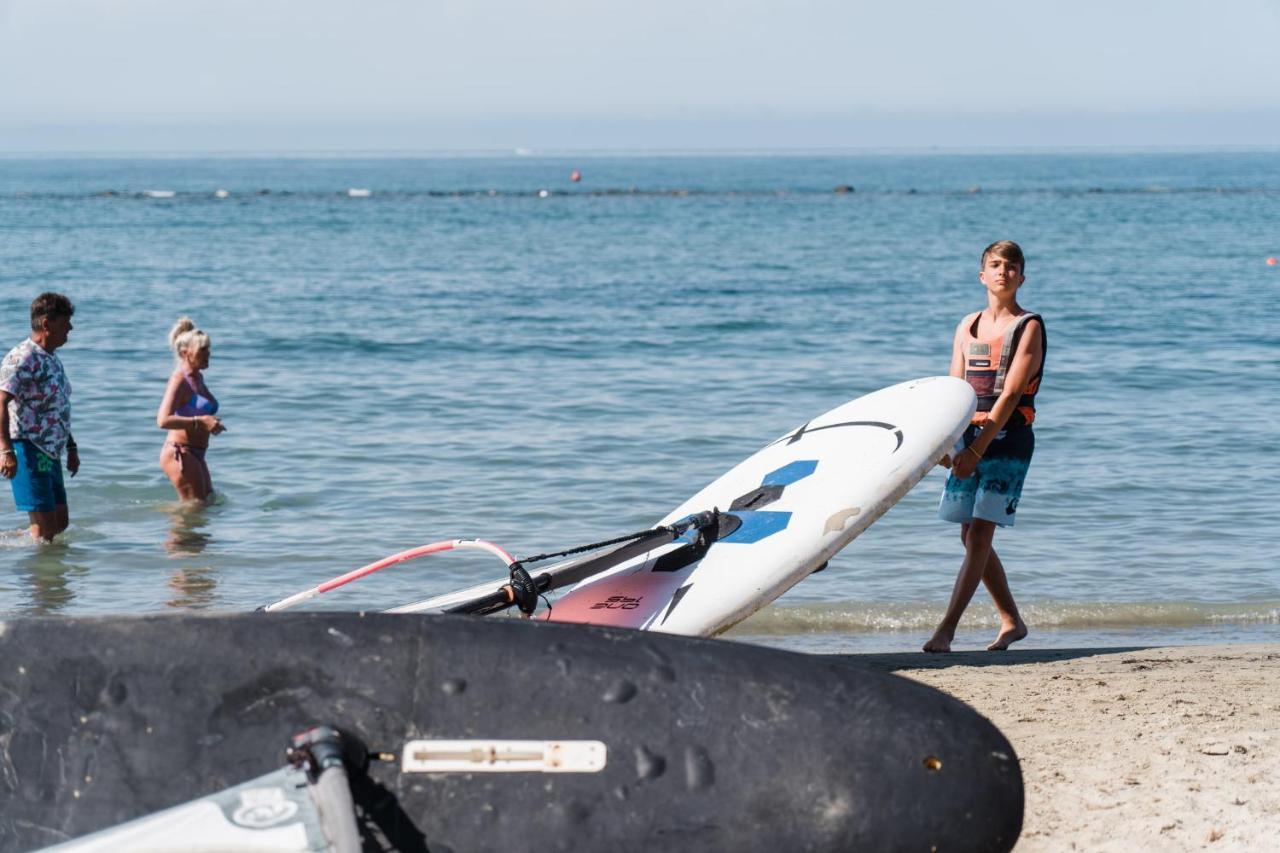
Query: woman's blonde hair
point(185, 337)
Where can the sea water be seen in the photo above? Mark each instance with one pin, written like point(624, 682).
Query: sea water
point(480, 346)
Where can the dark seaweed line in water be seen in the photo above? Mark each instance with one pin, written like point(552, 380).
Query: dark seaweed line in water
point(366, 195)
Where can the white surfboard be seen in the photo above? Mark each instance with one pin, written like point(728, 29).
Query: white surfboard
point(787, 510)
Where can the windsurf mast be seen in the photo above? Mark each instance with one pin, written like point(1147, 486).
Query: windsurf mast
point(521, 590)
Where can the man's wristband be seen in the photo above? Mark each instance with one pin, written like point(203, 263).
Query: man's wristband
point(971, 449)
point(8, 451)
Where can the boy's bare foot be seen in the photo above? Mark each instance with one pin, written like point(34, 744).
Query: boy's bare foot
point(940, 641)
point(1008, 636)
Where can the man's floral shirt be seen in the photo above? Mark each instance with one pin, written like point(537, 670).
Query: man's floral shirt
point(40, 410)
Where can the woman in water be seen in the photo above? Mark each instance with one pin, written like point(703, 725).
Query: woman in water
point(188, 412)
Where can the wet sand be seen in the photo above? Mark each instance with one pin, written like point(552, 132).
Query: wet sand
point(1155, 749)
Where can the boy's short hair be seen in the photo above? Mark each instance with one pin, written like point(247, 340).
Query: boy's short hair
point(1008, 250)
point(50, 305)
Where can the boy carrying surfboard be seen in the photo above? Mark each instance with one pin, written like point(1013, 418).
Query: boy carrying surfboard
point(1000, 352)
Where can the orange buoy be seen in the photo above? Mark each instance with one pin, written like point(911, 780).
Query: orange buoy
point(575, 176)
point(1271, 261)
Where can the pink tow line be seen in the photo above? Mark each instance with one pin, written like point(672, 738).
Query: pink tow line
point(412, 553)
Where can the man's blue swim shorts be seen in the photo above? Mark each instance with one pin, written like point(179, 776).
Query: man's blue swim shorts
point(37, 485)
point(992, 492)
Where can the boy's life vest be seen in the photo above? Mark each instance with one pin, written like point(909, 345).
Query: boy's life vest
point(986, 363)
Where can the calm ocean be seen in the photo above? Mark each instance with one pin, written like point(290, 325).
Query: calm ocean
point(459, 353)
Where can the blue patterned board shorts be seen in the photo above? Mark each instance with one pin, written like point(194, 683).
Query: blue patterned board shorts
point(37, 484)
point(992, 492)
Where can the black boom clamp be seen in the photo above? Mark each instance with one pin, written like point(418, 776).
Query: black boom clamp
point(524, 592)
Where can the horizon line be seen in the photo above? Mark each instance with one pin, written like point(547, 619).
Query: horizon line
point(656, 151)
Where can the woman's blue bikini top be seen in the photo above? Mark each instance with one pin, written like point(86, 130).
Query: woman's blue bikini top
point(198, 404)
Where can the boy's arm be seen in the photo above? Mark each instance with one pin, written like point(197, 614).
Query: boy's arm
point(1023, 366)
point(957, 351)
point(957, 370)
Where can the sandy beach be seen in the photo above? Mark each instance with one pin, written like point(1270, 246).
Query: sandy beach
point(1132, 748)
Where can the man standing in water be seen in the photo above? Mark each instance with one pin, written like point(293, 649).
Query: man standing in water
point(1000, 352)
point(35, 418)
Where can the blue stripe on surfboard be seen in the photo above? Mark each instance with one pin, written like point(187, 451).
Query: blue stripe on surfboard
point(757, 525)
point(789, 473)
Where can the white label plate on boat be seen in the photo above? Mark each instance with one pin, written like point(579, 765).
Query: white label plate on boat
point(504, 756)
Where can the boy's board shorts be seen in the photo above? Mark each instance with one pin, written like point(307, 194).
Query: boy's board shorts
point(992, 491)
point(37, 484)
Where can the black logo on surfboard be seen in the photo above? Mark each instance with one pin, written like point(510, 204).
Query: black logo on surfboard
point(804, 429)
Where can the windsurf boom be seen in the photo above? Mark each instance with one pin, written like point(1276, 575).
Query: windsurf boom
point(521, 590)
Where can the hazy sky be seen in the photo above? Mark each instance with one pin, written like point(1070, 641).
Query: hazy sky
point(431, 74)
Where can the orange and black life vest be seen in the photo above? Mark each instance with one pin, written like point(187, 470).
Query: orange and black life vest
point(986, 362)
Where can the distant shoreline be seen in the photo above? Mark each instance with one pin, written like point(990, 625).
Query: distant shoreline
point(284, 153)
